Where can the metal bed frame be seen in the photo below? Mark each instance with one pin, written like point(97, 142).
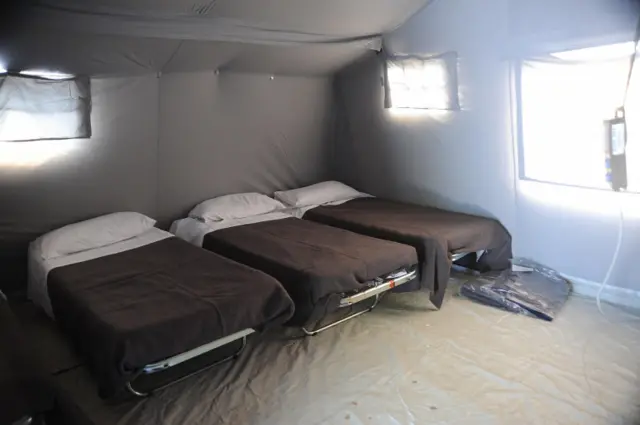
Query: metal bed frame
point(459, 255)
point(392, 281)
point(456, 257)
point(170, 362)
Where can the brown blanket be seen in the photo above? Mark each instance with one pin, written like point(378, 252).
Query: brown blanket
point(25, 389)
point(315, 263)
point(434, 233)
point(127, 310)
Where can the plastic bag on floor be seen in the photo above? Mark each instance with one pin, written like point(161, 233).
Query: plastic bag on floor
point(537, 292)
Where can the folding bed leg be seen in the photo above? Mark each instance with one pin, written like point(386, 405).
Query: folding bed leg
point(135, 392)
point(352, 316)
point(233, 356)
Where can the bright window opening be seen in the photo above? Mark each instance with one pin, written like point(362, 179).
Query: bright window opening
point(42, 109)
point(564, 106)
point(423, 83)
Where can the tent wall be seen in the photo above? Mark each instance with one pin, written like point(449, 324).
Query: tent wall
point(159, 146)
point(227, 132)
point(466, 160)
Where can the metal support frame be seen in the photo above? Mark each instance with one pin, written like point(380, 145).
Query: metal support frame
point(183, 357)
point(375, 292)
point(457, 256)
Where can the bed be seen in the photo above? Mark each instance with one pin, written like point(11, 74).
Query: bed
point(322, 268)
point(440, 237)
point(145, 304)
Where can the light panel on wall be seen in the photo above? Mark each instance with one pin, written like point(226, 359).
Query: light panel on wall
point(422, 83)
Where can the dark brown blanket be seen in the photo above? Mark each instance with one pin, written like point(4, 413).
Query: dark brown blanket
point(127, 310)
point(434, 233)
point(25, 389)
point(315, 263)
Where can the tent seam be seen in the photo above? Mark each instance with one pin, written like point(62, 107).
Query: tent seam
point(173, 55)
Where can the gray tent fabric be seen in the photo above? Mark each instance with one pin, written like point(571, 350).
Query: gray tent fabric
point(290, 37)
point(110, 55)
point(85, 54)
point(190, 28)
point(549, 25)
point(252, 21)
point(318, 60)
point(227, 133)
point(41, 109)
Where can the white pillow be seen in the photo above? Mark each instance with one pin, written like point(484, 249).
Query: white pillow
point(239, 205)
point(100, 231)
point(318, 194)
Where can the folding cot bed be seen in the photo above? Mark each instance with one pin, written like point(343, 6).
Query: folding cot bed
point(439, 237)
point(135, 300)
point(322, 268)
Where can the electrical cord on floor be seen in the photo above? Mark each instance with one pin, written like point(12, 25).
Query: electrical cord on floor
point(614, 259)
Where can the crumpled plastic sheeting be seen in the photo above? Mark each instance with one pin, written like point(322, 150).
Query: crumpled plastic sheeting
point(406, 364)
point(539, 293)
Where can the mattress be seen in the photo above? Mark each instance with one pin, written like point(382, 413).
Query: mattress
point(39, 268)
point(434, 233)
point(131, 308)
point(316, 264)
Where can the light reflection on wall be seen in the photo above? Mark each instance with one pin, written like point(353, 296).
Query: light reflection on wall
point(603, 203)
point(409, 115)
point(34, 154)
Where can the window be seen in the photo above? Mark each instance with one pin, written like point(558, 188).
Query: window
point(55, 107)
point(564, 103)
point(422, 83)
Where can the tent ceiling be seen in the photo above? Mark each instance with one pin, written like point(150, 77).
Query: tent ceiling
point(116, 55)
point(302, 37)
point(331, 17)
point(294, 60)
point(87, 54)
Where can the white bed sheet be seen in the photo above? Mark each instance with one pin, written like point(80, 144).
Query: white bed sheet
point(299, 212)
point(193, 230)
point(39, 268)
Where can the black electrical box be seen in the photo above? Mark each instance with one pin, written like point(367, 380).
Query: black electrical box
point(616, 152)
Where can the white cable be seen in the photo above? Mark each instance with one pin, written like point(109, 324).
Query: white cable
point(616, 254)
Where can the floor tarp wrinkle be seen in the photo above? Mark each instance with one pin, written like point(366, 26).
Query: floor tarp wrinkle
point(405, 363)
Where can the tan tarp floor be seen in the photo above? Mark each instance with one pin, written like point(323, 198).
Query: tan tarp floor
point(405, 364)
